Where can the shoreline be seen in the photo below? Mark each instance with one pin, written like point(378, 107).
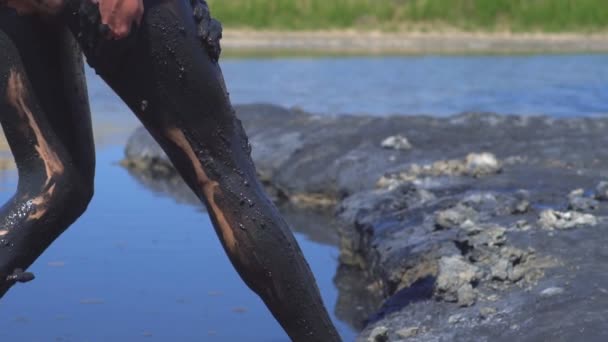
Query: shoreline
point(238, 42)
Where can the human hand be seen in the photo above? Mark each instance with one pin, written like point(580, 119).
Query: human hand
point(119, 15)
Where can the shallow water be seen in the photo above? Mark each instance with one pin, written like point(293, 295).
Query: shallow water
point(558, 85)
point(140, 267)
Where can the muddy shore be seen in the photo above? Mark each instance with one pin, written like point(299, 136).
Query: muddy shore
point(475, 227)
point(245, 42)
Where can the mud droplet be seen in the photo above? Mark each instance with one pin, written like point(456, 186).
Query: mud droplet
point(144, 105)
point(20, 276)
point(241, 226)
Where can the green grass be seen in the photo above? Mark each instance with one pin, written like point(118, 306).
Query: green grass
point(470, 15)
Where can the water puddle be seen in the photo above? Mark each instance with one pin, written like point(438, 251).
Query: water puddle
point(138, 266)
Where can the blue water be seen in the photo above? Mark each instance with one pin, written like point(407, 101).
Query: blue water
point(138, 266)
point(557, 85)
point(141, 267)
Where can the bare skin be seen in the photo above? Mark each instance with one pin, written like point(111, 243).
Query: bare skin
point(118, 15)
point(169, 61)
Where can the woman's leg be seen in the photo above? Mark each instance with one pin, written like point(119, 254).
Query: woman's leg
point(175, 86)
point(49, 134)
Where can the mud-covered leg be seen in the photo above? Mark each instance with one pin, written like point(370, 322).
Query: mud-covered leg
point(175, 86)
point(55, 183)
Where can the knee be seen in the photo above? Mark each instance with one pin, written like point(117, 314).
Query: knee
point(79, 196)
point(65, 197)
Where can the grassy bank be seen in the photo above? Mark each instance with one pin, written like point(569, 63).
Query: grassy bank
point(469, 15)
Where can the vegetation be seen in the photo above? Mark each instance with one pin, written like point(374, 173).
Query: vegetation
point(470, 15)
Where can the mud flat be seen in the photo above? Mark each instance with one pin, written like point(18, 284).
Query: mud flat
point(475, 227)
point(237, 42)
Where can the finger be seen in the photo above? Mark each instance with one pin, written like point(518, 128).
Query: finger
point(121, 30)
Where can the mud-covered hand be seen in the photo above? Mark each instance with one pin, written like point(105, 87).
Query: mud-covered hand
point(120, 15)
point(209, 30)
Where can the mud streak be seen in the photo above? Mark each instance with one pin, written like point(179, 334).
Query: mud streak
point(16, 95)
point(210, 188)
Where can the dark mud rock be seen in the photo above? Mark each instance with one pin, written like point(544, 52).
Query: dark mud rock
point(378, 334)
point(357, 300)
point(454, 217)
point(459, 235)
point(456, 279)
point(601, 191)
point(578, 201)
point(489, 285)
point(552, 219)
point(396, 142)
point(298, 152)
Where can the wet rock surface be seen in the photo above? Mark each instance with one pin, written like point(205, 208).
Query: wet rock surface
point(486, 228)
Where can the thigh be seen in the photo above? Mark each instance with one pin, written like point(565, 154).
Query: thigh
point(170, 80)
point(52, 62)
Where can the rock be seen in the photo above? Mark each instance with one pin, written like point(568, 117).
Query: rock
point(455, 319)
point(466, 295)
point(522, 225)
point(454, 283)
point(578, 202)
point(488, 235)
point(486, 312)
point(474, 165)
point(408, 332)
point(396, 142)
point(552, 292)
point(379, 334)
point(518, 272)
point(500, 271)
point(482, 164)
point(401, 197)
point(521, 207)
point(454, 217)
point(551, 219)
point(601, 191)
point(582, 204)
point(393, 237)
